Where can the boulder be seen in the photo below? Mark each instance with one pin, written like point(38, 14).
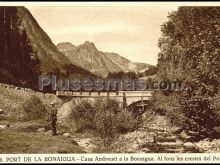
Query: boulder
point(146, 150)
point(185, 136)
point(49, 132)
point(2, 112)
point(175, 130)
point(3, 127)
point(135, 146)
point(217, 129)
point(193, 133)
point(41, 130)
point(66, 135)
point(74, 143)
point(64, 113)
point(86, 144)
point(189, 145)
point(166, 139)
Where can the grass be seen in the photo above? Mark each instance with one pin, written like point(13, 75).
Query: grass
point(17, 142)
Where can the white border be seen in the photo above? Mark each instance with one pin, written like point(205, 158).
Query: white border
point(78, 157)
point(109, 3)
point(117, 158)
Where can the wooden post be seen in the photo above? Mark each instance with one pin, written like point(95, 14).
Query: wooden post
point(142, 102)
point(124, 101)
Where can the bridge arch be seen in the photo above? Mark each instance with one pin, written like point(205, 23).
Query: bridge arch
point(139, 107)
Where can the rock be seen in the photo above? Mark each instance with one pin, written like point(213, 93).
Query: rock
point(204, 146)
point(185, 136)
point(217, 129)
point(146, 150)
point(49, 132)
point(2, 112)
point(175, 150)
point(66, 135)
point(41, 130)
point(86, 144)
point(169, 144)
point(134, 146)
point(206, 139)
point(3, 127)
point(193, 133)
point(166, 139)
point(142, 135)
point(189, 145)
point(64, 113)
point(175, 130)
point(130, 150)
point(74, 143)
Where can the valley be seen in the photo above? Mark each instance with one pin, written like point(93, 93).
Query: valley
point(161, 121)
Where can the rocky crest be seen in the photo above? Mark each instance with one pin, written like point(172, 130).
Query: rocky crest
point(100, 63)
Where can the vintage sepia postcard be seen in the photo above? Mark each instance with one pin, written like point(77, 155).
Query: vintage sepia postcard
point(109, 82)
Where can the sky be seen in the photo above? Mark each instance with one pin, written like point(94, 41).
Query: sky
point(132, 31)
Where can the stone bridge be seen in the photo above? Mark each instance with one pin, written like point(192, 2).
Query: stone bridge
point(131, 96)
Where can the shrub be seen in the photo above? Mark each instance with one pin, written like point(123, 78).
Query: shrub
point(105, 123)
point(200, 113)
point(83, 114)
point(104, 116)
point(33, 108)
point(191, 113)
point(216, 102)
point(168, 105)
point(125, 122)
point(105, 120)
point(15, 114)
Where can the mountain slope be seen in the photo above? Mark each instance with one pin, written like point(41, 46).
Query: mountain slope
point(26, 51)
point(89, 57)
point(100, 63)
point(47, 52)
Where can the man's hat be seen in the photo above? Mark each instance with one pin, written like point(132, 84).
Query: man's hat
point(52, 103)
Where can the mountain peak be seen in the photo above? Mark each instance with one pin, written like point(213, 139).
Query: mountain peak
point(68, 46)
point(89, 45)
point(100, 63)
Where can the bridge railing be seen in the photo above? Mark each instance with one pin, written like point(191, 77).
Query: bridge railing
point(105, 94)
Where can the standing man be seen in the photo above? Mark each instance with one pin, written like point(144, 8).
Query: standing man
point(53, 118)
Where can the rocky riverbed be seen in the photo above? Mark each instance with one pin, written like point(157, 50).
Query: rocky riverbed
point(156, 135)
